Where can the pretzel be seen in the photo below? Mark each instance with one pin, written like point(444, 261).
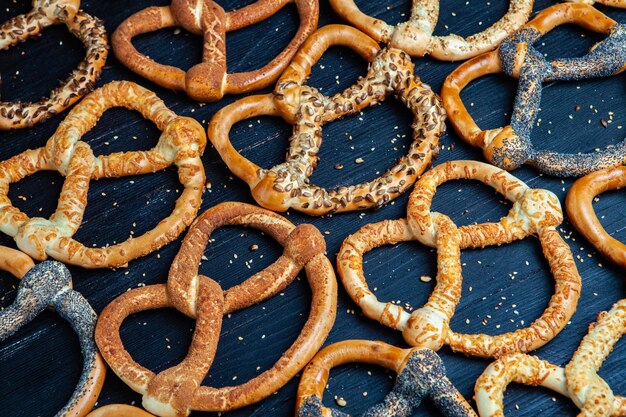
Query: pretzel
point(610, 3)
point(181, 143)
point(534, 212)
point(416, 38)
point(209, 80)
point(119, 410)
point(582, 215)
point(510, 147)
point(421, 374)
point(50, 284)
point(177, 391)
point(288, 184)
point(578, 381)
point(91, 33)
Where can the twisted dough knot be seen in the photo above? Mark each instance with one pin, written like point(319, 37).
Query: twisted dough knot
point(57, 11)
point(535, 210)
point(184, 137)
point(427, 328)
point(304, 243)
point(517, 50)
point(197, 16)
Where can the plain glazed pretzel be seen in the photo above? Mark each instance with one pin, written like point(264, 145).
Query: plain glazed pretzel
point(421, 374)
point(610, 3)
point(578, 381)
point(50, 284)
point(416, 38)
point(534, 212)
point(119, 410)
point(287, 185)
point(91, 33)
point(209, 81)
point(177, 391)
point(181, 143)
point(510, 147)
point(579, 206)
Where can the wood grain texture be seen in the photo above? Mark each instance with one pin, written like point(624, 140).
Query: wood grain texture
point(40, 365)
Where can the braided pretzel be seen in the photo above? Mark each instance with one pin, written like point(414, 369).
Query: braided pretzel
point(416, 38)
point(610, 3)
point(510, 147)
point(50, 284)
point(91, 33)
point(178, 390)
point(578, 381)
point(119, 410)
point(421, 374)
point(534, 212)
point(181, 143)
point(209, 81)
point(288, 185)
point(582, 215)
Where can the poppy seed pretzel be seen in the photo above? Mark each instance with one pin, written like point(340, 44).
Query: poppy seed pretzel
point(209, 81)
point(421, 374)
point(579, 205)
point(287, 185)
point(50, 284)
point(578, 381)
point(91, 33)
point(178, 390)
point(181, 144)
point(510, 147)
point(535, 212)
point(416, 38)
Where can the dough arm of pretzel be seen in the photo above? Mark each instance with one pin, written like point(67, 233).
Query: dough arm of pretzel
point(119, 410)
point(609, 3)
point(579, 205)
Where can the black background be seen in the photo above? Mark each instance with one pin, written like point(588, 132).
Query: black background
point(40, 365)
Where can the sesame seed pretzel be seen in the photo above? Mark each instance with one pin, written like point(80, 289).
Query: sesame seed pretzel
point(181, 144)
point(534, 212)
point(578, 381)
point(288, 184)
point(50, 284)
point(209, 81)
point(416, 38)
point(91, 33)
point(582, 215)
point(421, 374)
point(177, 391)
point(510, 147)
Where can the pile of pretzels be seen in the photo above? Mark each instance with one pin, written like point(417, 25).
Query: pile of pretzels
point(186, 145)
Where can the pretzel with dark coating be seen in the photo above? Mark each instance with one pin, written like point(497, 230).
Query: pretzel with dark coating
point(181, 144)
point(534, 212)
point(421, 374)
point(510, 147)
point(90, 31)
point(50, 284)
point(579, 206)
point(416, 38)
point(287, 185)
point(177, 391)
point(209, 80)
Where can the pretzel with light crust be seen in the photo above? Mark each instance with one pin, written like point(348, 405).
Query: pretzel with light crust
point(579, 205)
point(416, 38)
point(181, 143)
point(578, 381)
point(177, 391)
point(421, 374)
point(209, 80)
point(91, 33)
point(287, 185)
point(534, 212)
point(50, 284)
point(510, 147)
point(119, 410)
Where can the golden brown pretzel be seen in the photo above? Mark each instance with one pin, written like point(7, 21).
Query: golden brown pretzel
point(209, 80)
point(287, 185)
point(89, 30)
point(510, 147)
point(177, 391)
point(610, 3)
point(534, 212)
point(420, 374)
point(416, 38)
point(578, 381)
point(579, 206)
point(49, 284)
point(119, 410)
point(181, 143)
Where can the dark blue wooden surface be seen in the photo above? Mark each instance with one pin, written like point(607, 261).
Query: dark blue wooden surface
point(503, 287)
